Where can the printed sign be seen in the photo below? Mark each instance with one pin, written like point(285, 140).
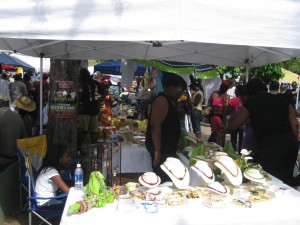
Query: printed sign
point(63, 101)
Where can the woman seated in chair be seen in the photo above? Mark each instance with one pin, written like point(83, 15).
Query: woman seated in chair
point(49, 180)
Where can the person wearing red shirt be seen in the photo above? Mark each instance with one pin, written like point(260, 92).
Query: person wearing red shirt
point(217, 126)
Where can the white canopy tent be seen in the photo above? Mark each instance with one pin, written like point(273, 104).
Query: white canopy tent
point(221, 32)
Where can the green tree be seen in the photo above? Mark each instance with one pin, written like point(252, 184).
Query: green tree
point(267, 73)
point(291, 65)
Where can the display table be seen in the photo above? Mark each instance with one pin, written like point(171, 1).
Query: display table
point(282, 210)
point(135, 159)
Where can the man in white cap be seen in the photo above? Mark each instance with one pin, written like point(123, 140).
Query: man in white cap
point(11, 129)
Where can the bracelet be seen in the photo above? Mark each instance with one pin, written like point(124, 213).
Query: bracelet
point(84, 206)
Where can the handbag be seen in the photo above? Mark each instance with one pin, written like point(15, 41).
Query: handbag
point(206, 111)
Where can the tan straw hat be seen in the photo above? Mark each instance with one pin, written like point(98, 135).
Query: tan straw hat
point(4, 98)
point(25, 103)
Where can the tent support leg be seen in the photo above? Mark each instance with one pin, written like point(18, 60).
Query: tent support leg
point(41, 93)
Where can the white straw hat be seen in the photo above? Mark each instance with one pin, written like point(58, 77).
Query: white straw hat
point(178, 173)
point(232, 172)
point(149, 180)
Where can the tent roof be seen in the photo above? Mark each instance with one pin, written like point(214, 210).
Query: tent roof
point(13, 61)
point(114, 67)
point(220, 32)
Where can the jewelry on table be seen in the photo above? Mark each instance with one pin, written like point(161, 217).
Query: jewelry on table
point(155, 183)
point(209, 177)
point(229, 171)
point(219, 191)
point(178, 178)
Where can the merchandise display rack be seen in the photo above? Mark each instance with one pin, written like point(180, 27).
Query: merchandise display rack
point(104, 157)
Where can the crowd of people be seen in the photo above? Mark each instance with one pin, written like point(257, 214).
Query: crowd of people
point(19, 100)
point(256, 118)
point(262, 121)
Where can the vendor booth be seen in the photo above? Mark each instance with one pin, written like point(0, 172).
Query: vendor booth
point(194, 190)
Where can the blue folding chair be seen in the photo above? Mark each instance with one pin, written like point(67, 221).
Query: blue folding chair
point(33, 208)
point(36, 148)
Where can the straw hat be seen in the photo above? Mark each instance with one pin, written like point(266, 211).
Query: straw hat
point(230, 169)
point(149, 180)
point(4, 98)
point(178, 173)
point(25, 103)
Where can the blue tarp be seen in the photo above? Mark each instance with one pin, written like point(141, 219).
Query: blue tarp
point(113, 67)
point(8, 60)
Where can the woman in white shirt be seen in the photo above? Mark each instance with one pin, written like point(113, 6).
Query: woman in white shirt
point(49, 180)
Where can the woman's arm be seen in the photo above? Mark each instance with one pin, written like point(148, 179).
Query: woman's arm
point(159, 113)
point(293, 120)
point(238, 120)
point(60, 183)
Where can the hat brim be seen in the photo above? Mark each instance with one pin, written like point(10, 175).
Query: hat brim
point(30, 107)
point(191, 139)
point(149, 185)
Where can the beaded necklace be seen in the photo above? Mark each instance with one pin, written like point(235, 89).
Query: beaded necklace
point(157, 180)
point(222, 192)
point(232, 174)
point(178, 178)
point(257, 178)
point(209, 177)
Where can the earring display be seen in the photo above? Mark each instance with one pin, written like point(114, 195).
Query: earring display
point(104, 157)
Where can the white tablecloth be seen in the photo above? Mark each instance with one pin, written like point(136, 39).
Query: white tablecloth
point(135, 159)
point(282, 210)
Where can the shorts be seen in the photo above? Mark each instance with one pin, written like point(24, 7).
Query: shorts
point(87, 123)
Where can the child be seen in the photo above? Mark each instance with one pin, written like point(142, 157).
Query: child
point(217, 126)
point(49, 179)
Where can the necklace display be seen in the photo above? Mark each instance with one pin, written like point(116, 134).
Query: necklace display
point(178, 178)
point(222, 192)
point(157, 180)
point(256, 178)
point(209, 177)
point(229, 171)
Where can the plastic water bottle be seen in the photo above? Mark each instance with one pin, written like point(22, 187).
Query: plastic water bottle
point(78, 177)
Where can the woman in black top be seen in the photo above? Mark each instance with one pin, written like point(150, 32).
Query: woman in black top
point(163, 130)
point(275, 127)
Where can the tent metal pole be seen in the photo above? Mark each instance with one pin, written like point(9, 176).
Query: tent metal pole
point(41, 93)
point(297, 89)
point(247, 72)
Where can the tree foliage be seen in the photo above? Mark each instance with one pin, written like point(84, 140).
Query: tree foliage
point(266, 73)
point(291, 65)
